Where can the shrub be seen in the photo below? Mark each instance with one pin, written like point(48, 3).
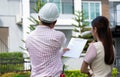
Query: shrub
point(74, 73)
point(16, 74)
point(68, 73)
point(11, 61)
point(114, 72)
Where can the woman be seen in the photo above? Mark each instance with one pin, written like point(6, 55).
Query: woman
point(99, 58)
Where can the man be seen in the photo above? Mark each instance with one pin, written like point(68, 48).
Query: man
point(44, 44)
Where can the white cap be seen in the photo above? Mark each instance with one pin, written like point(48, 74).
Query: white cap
point(49, 13)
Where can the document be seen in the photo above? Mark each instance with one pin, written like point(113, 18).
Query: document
point(76, 46)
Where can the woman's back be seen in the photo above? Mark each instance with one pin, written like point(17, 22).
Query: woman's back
point(98, 66)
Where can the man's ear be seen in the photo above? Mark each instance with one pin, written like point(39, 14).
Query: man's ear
point(53, 24)
point(39, 17)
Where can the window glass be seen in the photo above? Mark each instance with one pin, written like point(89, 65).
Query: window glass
point(57, 2)
point(91, 10)
point(64, 6)
point(43, 1)
point(97, 5)
point(67, 7)
point(85, 10)
point(33, 2)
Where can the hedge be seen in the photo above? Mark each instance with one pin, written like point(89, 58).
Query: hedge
point(27, 74)
point(68, 73)
point(11, 61)
point(17, 57)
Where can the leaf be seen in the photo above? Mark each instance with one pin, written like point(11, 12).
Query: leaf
point(22, 48)
point(75, 30)
point(75, 25)
point(32, 27)
point(37, 6)
point(32, 19)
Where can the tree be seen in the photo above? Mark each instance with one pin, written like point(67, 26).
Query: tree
point(81, 30)
point(36, 9)
point(81, 25)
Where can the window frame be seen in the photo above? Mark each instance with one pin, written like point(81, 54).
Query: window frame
point(61, 7)
point(89, 12)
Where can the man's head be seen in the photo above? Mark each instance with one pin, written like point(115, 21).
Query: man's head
point(48, 13)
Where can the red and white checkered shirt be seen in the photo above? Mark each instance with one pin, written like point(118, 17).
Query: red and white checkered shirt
point(43, 45)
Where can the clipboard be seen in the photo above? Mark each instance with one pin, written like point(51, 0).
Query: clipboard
point(76, 46)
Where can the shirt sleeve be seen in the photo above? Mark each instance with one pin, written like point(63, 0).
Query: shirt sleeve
point(61, 52)
point(64, 41)
point(90, 54)
point(63, 44)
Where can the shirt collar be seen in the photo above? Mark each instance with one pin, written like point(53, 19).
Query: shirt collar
point(43, 27)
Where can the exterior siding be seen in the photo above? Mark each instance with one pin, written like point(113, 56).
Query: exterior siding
point(9, 9)
point(105, 8)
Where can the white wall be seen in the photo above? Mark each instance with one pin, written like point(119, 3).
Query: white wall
point(9, 9)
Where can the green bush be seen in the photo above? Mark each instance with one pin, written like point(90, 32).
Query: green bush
point(74, 73)
point(17, 57)
point(11, 61)
point(115, 72)
point(68, 73)
point(16, 74)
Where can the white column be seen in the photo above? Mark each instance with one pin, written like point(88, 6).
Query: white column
point(26, 15)
point(26, 24)
point(77, 5)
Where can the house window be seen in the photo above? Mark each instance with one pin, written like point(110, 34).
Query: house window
point(32, 5)
point(91, 10)
point(64, 6)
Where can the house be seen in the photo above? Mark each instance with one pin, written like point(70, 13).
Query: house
point(67, 8)
point(14, 11)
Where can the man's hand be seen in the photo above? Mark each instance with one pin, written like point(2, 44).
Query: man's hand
point(65, 49)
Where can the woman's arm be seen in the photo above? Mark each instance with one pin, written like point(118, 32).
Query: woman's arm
point(84, 68)
point(88, 59)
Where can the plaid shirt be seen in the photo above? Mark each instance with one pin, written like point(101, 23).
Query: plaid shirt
point(43, 45)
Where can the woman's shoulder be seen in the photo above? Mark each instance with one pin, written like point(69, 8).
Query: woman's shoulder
point(97, 43)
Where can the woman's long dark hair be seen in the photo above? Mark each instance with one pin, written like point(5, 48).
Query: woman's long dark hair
point(103, 30)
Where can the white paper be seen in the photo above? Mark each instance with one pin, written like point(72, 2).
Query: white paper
point(76, 46)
